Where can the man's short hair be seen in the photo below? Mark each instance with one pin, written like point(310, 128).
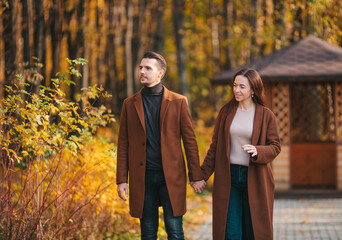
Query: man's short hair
point(160, 59)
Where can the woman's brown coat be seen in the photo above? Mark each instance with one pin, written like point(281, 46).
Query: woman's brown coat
point(175, 125)
point(260, 179)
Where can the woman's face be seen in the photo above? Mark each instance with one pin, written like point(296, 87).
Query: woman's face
point(242, 89)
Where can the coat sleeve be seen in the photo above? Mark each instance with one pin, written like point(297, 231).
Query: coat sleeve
point(208, 165)
point(268, 152)
point(190, 143)
point(122, 152)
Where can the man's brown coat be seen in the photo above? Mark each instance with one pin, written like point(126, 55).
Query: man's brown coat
point(175, 125)
point(260, 179)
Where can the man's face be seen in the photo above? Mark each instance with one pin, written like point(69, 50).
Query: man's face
point(150, 72)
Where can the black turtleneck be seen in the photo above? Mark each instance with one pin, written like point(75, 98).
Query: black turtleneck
point(152, 97)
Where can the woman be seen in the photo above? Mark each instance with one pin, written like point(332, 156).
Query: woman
point(244, 143)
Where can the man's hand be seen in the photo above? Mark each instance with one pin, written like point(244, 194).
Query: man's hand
point(123, 191)
point(198, 185)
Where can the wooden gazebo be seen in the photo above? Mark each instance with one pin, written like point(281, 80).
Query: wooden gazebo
point(303, 84)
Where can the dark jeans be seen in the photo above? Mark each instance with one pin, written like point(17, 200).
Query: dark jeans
point(155, 194)
point(238, 209)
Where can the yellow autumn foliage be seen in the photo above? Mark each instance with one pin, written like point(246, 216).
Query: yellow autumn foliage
point(59, 168)
point(58, 177)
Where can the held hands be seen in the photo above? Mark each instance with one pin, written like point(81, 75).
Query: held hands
point(123, 191)
point(250, 149)
point(198, 186)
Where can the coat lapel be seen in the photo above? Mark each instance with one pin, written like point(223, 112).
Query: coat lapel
point(226, 124)
point(164, 105)
point(257, 124)
point(140, 109)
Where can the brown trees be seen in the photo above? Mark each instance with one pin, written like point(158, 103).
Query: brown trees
point(198, 38)
point(178, 24)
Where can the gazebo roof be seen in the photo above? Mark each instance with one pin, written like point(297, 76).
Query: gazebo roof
point(310, 59)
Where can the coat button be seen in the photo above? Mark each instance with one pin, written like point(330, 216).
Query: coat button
point(143, 143)
point(141, 163)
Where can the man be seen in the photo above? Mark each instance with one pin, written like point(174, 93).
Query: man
point(153, 123)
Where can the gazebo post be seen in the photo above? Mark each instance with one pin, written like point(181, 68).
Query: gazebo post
point(338, 111)
point(281, 109)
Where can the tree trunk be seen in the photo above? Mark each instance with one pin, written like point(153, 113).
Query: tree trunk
point(111, 58)
point(279, 21)
point(101, 45)
point(296, 33)
point(76, 46)
point(128, 49)
point(69, 15)
point(138, 31)
point(56, 21)
point(119, 15)
point(2, 61)
point(145, 33)
point(79, 43)
point(9, 38)
point(256, 24)
point(86, 50)
point(178, 16)
point(267, 46)
point(39, 33)
point(228, 19)
point(25, 33)
point(159, 36)
point(215, 37)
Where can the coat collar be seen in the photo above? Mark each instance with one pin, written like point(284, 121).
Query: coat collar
point(138, 103)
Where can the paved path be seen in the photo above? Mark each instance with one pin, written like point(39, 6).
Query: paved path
point(308, 219)
point(295, 219)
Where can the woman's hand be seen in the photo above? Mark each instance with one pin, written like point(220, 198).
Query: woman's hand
point(198, 185)
point(250, 149)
